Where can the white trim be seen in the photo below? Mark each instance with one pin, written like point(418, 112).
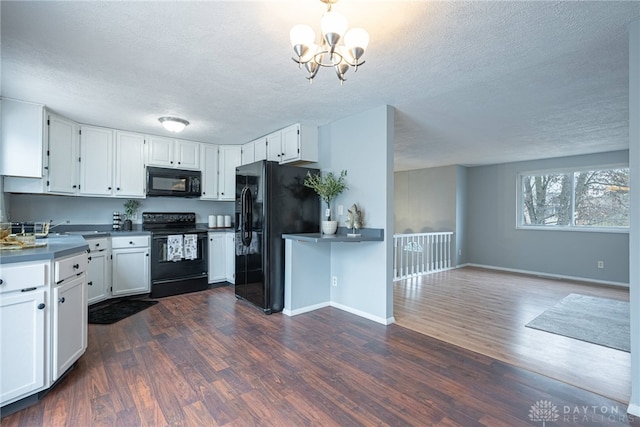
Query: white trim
point(305, 309)
point(364, 314)
point(547, 275)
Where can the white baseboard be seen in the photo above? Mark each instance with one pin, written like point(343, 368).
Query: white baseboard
point(546, 275)
point(305, 309)
point(364, 314)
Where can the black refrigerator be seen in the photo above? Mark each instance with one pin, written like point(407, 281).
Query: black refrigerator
point(271, 200)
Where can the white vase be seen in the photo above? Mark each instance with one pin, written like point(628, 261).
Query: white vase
point(329, 227)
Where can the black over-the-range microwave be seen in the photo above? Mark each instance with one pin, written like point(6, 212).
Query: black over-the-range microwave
point(173, 182)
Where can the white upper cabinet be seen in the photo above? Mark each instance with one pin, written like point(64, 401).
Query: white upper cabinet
point(299, 144)
point(295, 143)
point(58, 169)
point(62, 155)
point(22, 139)
point(209, 172)
point(173, 153)
point(274, 146)
point(130, 171)
point(249, 153)
point(230, 159)
point(96, 161)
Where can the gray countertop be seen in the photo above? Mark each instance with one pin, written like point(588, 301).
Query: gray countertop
point(367, 235)
point(56, 247)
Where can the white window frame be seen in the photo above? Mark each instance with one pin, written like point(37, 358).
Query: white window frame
point(570, 170)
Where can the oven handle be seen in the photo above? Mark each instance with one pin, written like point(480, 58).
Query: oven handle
point(246, 211)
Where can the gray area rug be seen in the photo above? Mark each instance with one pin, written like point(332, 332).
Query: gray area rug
point(600, 321)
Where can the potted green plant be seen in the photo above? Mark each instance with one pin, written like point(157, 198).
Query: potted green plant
point(130, 208)
point(328, 187)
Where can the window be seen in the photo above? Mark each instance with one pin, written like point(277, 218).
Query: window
point(575, 199)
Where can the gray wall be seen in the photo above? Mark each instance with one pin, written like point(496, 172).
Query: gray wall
point(99, 210)
point(493, 240)
point(432, 200)
point(363, 145)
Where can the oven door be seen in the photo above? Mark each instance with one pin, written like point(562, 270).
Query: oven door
point(162, 268)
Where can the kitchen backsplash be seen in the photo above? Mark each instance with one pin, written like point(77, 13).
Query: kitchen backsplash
point(96, 210)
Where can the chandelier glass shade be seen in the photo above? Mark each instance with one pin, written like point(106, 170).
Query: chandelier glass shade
point(329, 52)
point(173, 124)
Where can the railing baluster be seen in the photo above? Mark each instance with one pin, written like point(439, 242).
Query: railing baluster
point(416, 254)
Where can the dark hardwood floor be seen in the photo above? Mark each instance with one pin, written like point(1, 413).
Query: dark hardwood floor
point(205, 359)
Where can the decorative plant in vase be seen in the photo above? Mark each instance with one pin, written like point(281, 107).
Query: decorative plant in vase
point(328, 187)
point(130, 208)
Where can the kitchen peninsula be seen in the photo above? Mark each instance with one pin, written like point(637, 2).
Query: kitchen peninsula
point(43, 306)
point(308, 274)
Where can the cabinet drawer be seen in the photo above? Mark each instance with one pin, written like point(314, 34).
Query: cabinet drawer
point(98, 244)
point(129, 242)
point(69, 267)
point(23, 275)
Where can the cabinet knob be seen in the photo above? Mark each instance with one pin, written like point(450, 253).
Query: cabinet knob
point(97, 244)
point(109, 188)
point(131, 243)
point(75, 186)
point(118, 188)
point(76, 266)
point(61, 300)
point(1, 282)
point(41, 306)
point(89, 258)
point(90, 283)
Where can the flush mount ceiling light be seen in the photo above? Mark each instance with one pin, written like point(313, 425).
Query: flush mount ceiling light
point(173, 124)
point(329, 53)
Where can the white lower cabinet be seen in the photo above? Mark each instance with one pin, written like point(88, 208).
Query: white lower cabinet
point(217, 257)
point(23, 342)
point(99, 270)
point(230, 264)
point(130, 265)
point(69, 323)
point(43, 323)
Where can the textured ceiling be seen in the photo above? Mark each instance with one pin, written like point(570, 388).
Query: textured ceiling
point(472, 82)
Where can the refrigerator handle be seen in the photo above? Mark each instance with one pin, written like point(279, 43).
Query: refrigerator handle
point(246, 208)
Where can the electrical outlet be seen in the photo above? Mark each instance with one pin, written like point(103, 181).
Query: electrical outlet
point(600, 264)
point(334, 281)
point(340, 209)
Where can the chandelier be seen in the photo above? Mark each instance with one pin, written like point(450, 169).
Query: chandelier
point(329, 53)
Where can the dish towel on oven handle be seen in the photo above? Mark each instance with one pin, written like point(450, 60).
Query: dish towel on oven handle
point(190, 244)
point(174, 247)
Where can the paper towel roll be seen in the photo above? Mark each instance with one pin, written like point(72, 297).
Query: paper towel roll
point(227, 220)
point(220, 221)
point(212, 221)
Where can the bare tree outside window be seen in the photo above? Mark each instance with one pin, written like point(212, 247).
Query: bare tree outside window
point(595, 198)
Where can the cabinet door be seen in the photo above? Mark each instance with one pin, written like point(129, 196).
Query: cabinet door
point(248, 153)
point(23, 147)
point(69, 321)
point(98, 276)
point(260, 150)
point(217, 257)
point(209, 172)
point(230, 159)
point(160, 151)
point(230, 240)
point(96, 161)
point(22, 339)
point(187, 154)
point(290, 144)
point(62, 136)
point(130, 272)
point(274, 146)
point(130, 170)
